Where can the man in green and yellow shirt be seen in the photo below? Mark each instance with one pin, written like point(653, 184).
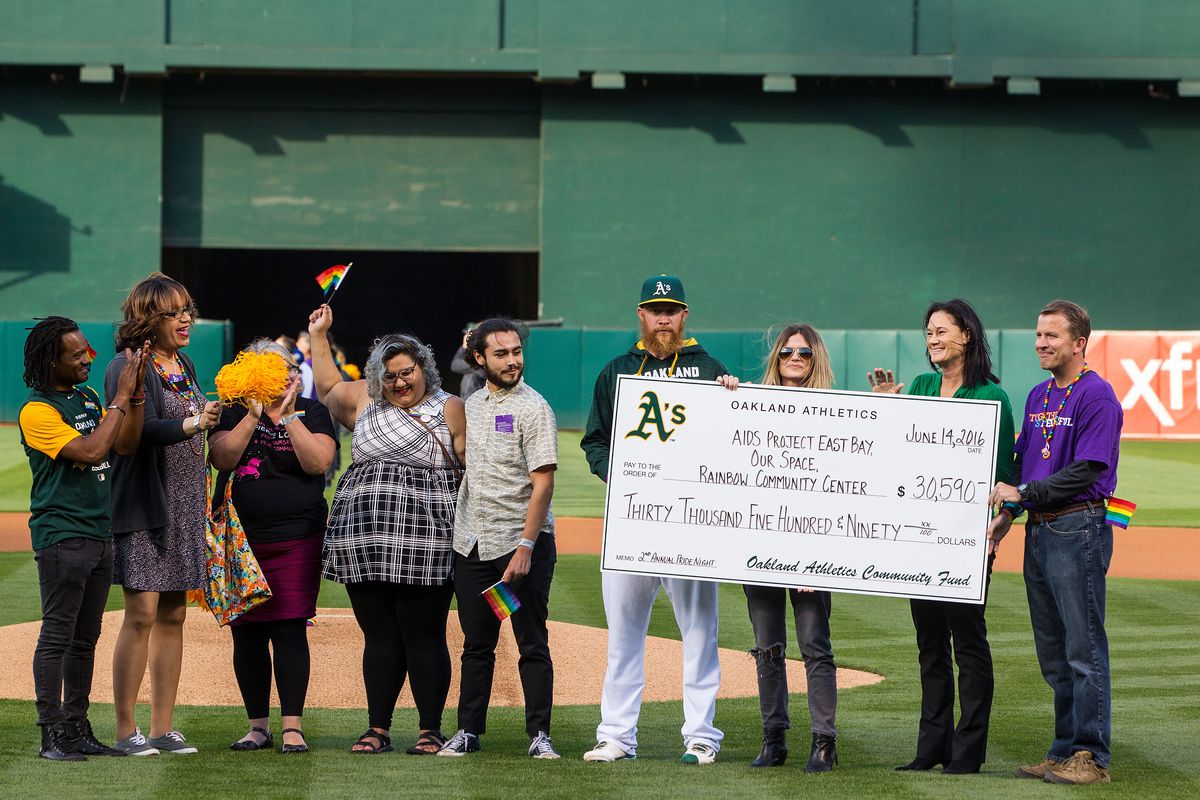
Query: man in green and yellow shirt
point(68, 436)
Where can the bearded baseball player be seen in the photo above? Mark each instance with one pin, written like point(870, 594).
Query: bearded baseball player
point(661, 352)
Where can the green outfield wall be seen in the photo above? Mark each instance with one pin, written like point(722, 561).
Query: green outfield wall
point(210, 348)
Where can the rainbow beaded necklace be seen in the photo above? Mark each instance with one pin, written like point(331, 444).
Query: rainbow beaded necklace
point(183, 385)
point(1048, 430)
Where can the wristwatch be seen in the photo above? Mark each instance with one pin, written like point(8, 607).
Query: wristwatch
point(1021, 491)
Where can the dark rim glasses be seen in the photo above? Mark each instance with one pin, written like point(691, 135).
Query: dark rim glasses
point(191, 311)
point(786, 352)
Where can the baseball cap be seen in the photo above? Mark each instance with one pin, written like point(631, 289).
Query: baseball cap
point(663, 289)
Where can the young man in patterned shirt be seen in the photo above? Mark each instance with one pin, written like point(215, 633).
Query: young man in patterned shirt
point(504, 531)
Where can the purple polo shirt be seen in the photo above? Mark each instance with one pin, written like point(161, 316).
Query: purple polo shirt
point(1088, 429)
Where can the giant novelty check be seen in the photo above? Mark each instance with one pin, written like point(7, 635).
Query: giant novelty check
point(845, 491)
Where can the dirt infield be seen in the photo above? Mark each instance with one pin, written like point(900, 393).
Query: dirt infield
point(336, 646)
point(1163, 553)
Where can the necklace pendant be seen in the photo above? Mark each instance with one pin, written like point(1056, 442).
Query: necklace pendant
point(1046, 452)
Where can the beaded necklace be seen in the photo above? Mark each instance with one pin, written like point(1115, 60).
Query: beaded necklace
point(189, 395)
point(1048, 430)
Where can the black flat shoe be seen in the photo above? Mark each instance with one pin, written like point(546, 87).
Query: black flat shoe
point(293, 748)
point(250, 744)
point(824, 753)
point(961, 768)
point(774, 753)
point(918, 764)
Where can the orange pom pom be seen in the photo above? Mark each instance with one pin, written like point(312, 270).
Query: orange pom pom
point(252, 377)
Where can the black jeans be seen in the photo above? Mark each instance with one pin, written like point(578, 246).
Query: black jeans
point(940, 624)
point(481, 630)
point(74, 576)
point(404, 633)
point(768, 615)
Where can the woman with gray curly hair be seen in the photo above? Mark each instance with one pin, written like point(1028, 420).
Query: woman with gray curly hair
point(392, 522)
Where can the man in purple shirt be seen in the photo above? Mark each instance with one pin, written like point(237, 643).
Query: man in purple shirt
point(1065, 468)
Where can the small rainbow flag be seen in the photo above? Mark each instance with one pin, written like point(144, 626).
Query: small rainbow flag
point(331, 279)
point(501, 599)
point(91, 353)
point(1119, 512)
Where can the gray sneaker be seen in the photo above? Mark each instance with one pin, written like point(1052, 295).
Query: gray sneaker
point(135, 745)
point(172, 742)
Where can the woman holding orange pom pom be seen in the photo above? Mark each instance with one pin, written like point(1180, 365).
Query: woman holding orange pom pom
point(392, 522)
point(277, 449)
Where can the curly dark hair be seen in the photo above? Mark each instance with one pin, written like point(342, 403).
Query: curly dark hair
point(41, 349)
point(477, 340)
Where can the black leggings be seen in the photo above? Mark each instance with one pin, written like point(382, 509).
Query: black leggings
point(404, 632)
point(252, 665)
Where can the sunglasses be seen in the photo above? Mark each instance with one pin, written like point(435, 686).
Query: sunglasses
point(787, 352)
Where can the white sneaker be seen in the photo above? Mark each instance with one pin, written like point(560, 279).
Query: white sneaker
point(606, 752)
point(699, 753)
point(540, 746)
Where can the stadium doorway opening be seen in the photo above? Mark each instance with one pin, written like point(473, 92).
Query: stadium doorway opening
point(429, 294)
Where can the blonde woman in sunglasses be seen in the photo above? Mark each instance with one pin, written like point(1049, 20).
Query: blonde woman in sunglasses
point(797, 358)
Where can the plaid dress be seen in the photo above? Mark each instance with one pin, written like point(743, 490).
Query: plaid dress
point(393, 512)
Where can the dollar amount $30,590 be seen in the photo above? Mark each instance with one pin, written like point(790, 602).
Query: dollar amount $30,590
point(939, 489)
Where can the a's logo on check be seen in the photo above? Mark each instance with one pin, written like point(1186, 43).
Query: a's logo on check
point(654, 413)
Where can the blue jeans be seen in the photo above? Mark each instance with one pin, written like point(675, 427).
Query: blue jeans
point(1066, 560)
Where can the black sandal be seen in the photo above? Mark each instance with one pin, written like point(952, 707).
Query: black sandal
point(250, 744)
point(434, 738)
point(294, 748)
point(370, 748)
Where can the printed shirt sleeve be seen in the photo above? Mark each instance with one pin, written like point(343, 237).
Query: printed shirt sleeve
point(539, 436)
point(44, 429)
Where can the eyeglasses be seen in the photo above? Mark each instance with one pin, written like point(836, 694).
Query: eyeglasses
point(405, 374)
point(191, 311)
point(787, 352)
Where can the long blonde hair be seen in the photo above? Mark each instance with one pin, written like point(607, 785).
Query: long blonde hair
point(820, 374)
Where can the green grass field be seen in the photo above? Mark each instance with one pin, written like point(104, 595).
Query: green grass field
point(1156, 682)
point(1161, 477)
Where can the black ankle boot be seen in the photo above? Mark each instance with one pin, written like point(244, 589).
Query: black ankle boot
point(56, 746)
point(824, 753)
point(774, 750)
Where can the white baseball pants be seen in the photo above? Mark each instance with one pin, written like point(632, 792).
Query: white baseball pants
point(628, 600)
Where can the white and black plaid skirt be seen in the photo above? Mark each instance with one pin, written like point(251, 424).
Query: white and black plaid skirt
point(391, 522)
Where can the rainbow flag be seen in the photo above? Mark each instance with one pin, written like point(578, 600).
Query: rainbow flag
point(91, 353)
point(1119, 512)
point(501, 599)
point(330, 279)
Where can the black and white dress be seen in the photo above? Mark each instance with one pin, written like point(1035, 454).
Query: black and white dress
point(393, 511)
